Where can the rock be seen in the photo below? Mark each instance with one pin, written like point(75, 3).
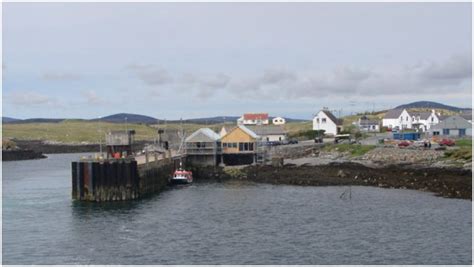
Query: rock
point(341, 174)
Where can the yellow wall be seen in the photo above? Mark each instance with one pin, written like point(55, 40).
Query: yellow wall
point(236, 135)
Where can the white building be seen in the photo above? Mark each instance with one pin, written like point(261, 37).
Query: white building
point(326, 121)
point(278, 121)
point(397, 119)
point(253, 119)
point(424, 120)
point(270, 132)
point(366, 125)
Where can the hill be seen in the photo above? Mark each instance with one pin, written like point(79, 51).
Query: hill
point(8, 119)
point(432, 105)
point(131, 118)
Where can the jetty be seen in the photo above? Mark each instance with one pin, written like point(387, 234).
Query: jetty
point(121, 176)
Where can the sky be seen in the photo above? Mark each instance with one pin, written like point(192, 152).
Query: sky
point(191, 60)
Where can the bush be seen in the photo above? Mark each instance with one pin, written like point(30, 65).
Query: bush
point(309, 134)
point(464, 153)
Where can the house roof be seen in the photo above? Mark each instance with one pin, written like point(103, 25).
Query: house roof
point(453, 122)
point(248, 131)
point(332, 117)
point(393, 113)
point(365, 121)
point(423, 115)
point(467, 116)
point(203, 135)
point(268, 130)
point(256, 116)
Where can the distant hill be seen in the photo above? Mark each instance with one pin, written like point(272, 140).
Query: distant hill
point(131, 118)
point(433, 105)
point(137, 118)
point(32, 120)
point(8, 119)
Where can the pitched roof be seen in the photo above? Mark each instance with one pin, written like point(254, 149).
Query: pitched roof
point(203, 135)
point(332, 117)
point(393, 113)
point(365, 121)
point(256, 116)
point(423, 115)
point(467, 116)
point(453, 122)
point(267, 129)
point(248, 131)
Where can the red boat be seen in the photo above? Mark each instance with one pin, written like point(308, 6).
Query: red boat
point(181, 176)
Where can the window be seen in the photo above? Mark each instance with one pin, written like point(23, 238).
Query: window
point(317, 120)
point(407, 118)
point(432, 119)
point(224, 144)
point(323, 120)
point(241, 146)
point(234, 145)
point(462, 132)
point(246, 146)
point(251, 146)
point(445, 131)
point(435, 132)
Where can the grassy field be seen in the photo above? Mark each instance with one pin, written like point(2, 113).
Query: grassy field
point(464, 143)
point(71, 131)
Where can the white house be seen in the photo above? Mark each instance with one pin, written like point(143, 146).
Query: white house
point(278, 121)
point(424, 120)
point(326, 121)
point(253, 119)
point(397, 119)
point(366, 125)
point(270, 132)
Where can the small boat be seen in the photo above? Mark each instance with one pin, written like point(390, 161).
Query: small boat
point(181, 176)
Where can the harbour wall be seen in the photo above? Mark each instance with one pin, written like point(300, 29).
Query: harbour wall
point(118, 180)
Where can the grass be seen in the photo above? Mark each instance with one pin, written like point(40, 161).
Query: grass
point(354, 149)
point(464, 143)
point(463, 153)
point(76, 131)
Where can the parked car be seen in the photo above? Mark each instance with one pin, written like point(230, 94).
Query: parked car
point(318, 140)
point(404, 144)
point(447, 142)
point(292, 141)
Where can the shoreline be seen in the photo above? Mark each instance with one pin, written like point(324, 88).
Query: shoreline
point(442, 181)
point(23, 154)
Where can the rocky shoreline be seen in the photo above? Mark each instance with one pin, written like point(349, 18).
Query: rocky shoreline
point(11, 155)
point(445, 182)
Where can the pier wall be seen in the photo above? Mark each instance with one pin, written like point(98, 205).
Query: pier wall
point(123, 179)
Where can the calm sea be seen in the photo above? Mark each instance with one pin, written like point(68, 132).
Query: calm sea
point(227, 223)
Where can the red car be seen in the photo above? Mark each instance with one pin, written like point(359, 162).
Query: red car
point(447, 142)
point(404, 144)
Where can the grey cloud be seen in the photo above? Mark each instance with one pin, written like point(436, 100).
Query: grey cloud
point(31, 98)
point(91, 97)
point(60, 77)
point(151, 74)
point(451, 75)
point(456, 67)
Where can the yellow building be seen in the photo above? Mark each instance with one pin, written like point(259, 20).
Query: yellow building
point(239, 140)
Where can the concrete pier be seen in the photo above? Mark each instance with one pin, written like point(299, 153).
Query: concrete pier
point(119, 179)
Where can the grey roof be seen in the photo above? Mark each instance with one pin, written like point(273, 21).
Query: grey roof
point(248, 131)
point(423, 115)
point(453, 122)
point(267, 129)
point(443, 117)
point(393, 113)
point(332, 117)
point(365, 121)
point(467, 116)
point(203, 135)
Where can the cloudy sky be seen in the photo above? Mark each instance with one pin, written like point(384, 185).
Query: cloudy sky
point(172, 60)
